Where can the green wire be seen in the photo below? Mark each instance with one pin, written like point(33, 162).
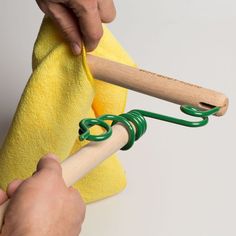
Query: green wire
point(136, 124)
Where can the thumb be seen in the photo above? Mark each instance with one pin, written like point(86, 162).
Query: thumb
point(49, 163)
point(65, 19)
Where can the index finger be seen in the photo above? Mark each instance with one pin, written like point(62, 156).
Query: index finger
point(89, 20)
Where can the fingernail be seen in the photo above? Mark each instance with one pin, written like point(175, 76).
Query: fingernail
point(76, 49)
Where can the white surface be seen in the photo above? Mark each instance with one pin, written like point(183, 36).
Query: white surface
point(188, 186)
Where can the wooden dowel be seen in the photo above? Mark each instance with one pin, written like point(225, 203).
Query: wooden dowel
point(79, 164)
point(2, 211)
point(156, 85)
point(87, 158)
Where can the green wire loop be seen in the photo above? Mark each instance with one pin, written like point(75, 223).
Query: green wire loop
point(135, 123)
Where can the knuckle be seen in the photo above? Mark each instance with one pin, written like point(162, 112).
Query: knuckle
point(68, 29)
point(70, 33)
point(84, 6)
point(51, 8)
point(89, 5)
point(57, 15)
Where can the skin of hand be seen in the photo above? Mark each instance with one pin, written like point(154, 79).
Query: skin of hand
point(80, 20)
point(42, 204)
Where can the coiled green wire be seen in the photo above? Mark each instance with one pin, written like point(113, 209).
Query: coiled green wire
point(136, 124)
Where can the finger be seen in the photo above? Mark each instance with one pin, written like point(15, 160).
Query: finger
point(42, 5)
point(107, 10)
point(13, 186)
point(3, 197)
point(49, 163)
point(68, 25)
point(89, 22)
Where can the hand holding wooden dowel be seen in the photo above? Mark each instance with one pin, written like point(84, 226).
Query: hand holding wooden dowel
point(79, 164)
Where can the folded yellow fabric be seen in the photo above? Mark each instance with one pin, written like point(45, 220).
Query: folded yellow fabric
point(59, 93)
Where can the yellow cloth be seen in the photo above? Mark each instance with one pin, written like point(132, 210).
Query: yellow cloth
point(59, 93)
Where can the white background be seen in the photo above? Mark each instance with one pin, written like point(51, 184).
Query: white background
point(181, 181)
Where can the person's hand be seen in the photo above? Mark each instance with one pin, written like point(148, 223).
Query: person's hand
point(80, 20)
point(42, 205)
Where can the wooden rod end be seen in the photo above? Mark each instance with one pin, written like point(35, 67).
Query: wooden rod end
point(224, 108)
point(217, 100)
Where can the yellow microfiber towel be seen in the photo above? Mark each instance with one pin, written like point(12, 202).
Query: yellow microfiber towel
point(59, 93)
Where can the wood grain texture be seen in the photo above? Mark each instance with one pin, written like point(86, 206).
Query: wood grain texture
point(156, 85)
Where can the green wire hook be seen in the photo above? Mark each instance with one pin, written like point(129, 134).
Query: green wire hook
point(187, 109)
point(136, 125)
